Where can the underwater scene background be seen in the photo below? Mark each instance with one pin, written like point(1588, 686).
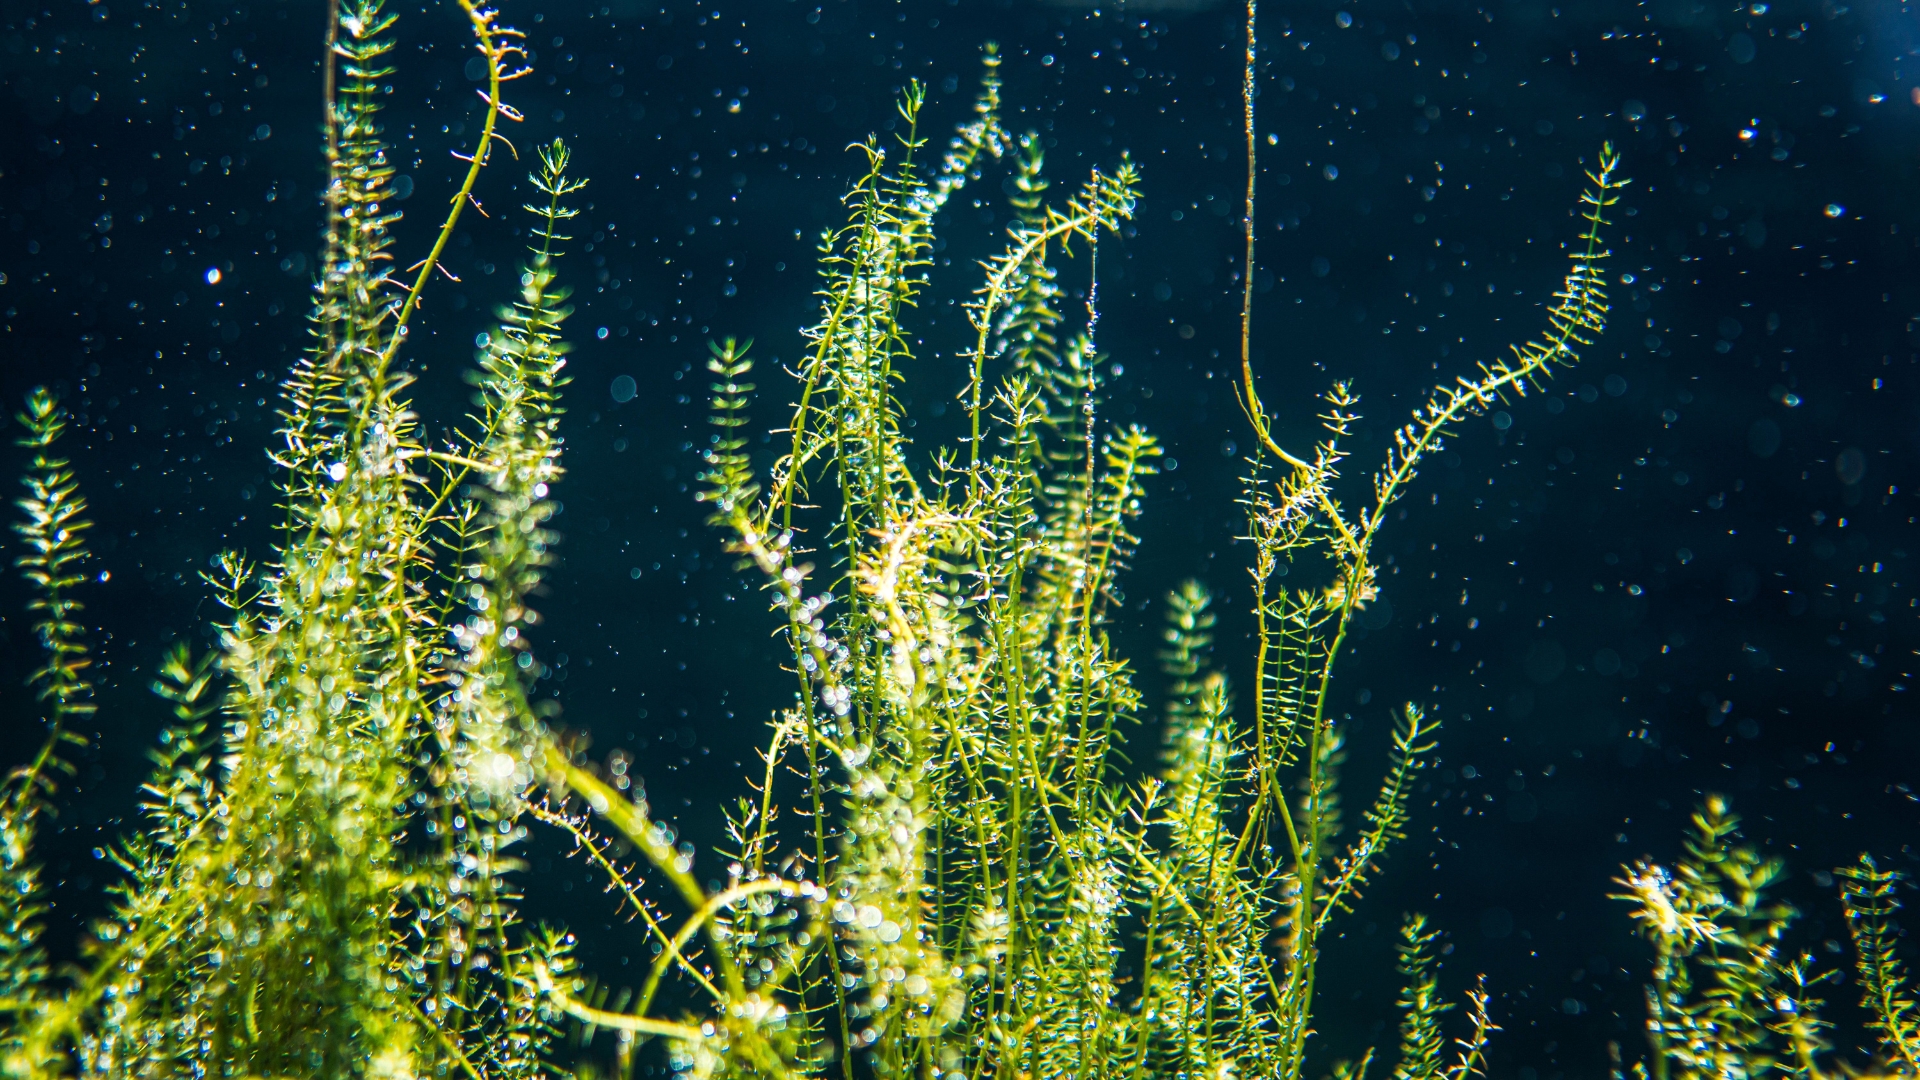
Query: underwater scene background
point(1686, 568)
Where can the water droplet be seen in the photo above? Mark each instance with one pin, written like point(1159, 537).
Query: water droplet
point(1343, 20)
point(624, 388)
point(1835, 210)
point(213, 275)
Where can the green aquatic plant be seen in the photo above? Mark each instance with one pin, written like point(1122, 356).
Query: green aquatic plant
point(52, 530)
point(1869, 897)
point(1730, 996)
point(977, 875)
point(950, 869)
point(320, 884)
point(1422, 1046)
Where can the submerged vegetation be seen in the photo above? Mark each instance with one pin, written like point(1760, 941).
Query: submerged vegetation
point(318, 886)
point(950, 867)
point(1730, 995)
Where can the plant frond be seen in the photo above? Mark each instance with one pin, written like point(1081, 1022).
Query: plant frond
point(1870, 897)
point(52, 529)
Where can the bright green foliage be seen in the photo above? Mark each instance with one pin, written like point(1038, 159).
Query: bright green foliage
point(52, 529)
point(1207, 936)
point(1725, 994)
point(1869, 896)
point(1297, 521)
point(1422, 1044)
point(973, 860)
point(1729, 997)
point(323, 885)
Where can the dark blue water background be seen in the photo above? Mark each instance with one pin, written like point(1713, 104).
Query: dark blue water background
point(1689, 568)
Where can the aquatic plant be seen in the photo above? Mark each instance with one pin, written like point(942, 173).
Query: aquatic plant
point(319, 886)
point(1730, 996)
point(967, 877)
point(52, 530)
point(976, 871)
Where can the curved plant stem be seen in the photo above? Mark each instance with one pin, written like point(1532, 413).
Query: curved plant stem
point(494, 44)
point(1248, 89)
